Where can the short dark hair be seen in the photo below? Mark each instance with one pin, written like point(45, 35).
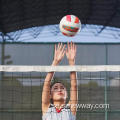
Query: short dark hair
point(55, 83)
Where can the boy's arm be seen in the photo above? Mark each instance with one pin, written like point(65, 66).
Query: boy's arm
point(58, 56)
point(46, 87)
point(73, 92)
point(71, 54)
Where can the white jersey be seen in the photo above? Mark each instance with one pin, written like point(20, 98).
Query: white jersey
point(64, 114)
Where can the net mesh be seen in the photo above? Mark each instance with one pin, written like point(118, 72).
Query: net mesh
point(21, 90)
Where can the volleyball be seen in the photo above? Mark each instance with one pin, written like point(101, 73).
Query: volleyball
point(70, 25)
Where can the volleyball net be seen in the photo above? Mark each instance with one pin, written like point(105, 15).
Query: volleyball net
point(21, 90)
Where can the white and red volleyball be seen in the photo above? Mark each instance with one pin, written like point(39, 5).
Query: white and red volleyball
point(70, 25)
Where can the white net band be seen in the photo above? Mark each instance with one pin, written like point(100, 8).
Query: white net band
point(78, 68)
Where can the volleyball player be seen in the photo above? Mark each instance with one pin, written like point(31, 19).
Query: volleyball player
point(54, 106)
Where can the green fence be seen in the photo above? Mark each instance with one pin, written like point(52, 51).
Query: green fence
point(20, 93)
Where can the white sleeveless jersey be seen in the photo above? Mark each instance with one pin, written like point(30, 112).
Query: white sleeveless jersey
point(52, 114)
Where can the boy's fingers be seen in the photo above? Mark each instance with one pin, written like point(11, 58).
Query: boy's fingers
point(58, 46)
point(71, 44)
point(63, 48)
point(68, 46)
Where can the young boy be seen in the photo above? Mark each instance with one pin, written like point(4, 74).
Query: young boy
point(57, 93)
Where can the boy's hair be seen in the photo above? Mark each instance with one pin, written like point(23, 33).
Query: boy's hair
point(52, 83)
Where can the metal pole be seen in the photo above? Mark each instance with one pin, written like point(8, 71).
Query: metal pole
point(2, 73)
point(105, 95)
point(2, 55)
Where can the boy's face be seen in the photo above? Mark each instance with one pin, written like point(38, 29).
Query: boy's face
point(58, 92)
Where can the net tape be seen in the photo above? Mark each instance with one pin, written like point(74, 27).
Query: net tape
point(78, 68)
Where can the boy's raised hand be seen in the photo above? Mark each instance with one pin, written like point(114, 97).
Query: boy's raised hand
point(71, 53)
point(59, 53)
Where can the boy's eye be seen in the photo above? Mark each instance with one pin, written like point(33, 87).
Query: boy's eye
point(55, 88)
point(62, 87)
